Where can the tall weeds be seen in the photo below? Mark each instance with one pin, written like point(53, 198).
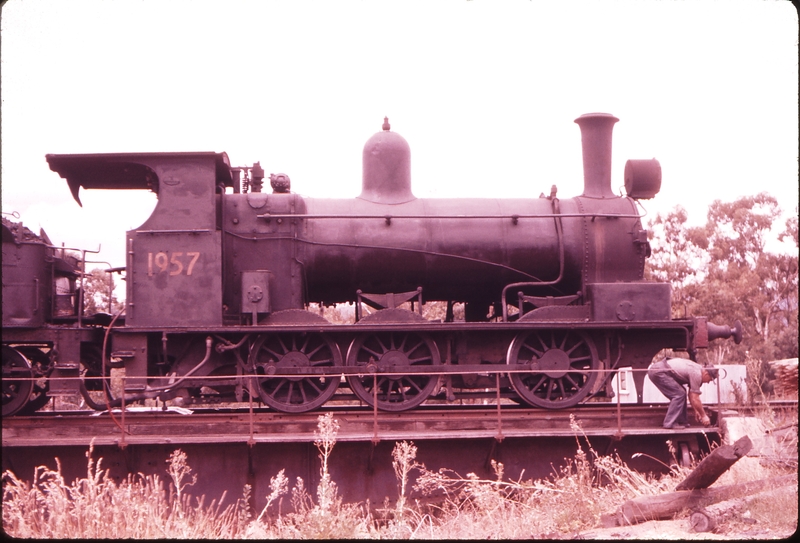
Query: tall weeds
point(95, 506)
point(455, 506)
point(328, 518)
point(570, 501)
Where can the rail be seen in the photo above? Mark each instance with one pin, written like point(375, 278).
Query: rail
point(611, 417)
point(183, 426)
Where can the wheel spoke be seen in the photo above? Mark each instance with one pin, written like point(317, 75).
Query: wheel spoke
point(403, 343)
point(417, 346)
point(290, 391)
point(273, 353)
point(377, 354)
point(572, 381)
point(550, 387)
point(313, 384)
point(302, 389)
point(382, 390)
point(275, 390)
point(313, 352)
point(571, 349)
point(536, 352)
point(282, 344)
point(542, 379)
point(580, 358)
point(413, 361)
point(382, 381)
point(413, 383)
point(381, 344)
point(397, 391)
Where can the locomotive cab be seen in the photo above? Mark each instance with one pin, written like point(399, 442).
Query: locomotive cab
point(174, 258)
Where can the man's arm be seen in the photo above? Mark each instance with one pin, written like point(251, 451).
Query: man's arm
point(697, 405)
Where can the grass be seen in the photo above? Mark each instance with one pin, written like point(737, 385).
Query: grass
point(455, 506)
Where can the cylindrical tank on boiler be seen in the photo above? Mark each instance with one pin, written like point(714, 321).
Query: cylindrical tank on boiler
point(386, 168)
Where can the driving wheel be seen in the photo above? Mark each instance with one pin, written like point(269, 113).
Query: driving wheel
point(41, 367)
point(17, 381)
point(561, 367)
point(389, 359)
point(272, 353)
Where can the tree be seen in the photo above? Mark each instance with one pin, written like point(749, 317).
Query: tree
point(744, 280)
point(723, 271)
point(675, 258)
point(787, 341)
point(98, 288)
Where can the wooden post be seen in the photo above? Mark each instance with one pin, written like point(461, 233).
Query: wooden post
point(701, 521)
point(715, 464)
point(693, 492)
point(665, 506)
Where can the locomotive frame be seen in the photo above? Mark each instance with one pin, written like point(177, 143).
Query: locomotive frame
point(220, 276)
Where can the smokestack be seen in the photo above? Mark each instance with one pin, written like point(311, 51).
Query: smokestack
point(596, 131)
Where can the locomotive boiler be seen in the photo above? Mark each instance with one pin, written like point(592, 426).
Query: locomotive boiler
point(221, 275)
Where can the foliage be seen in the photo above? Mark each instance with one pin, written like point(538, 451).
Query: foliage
point(345, 313)
point(98, 287)
point(674, 257)
point(724, 271)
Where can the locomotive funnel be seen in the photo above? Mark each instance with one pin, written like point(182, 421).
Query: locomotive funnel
point(596, 131)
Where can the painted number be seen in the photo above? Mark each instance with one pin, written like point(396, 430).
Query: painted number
point(175, 264)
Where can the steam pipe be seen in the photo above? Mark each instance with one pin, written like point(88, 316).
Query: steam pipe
point(560, 234)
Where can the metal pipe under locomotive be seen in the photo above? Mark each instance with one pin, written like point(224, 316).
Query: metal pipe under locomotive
point(218, 285)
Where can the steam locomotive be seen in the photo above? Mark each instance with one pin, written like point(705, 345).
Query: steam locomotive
point(220, 278)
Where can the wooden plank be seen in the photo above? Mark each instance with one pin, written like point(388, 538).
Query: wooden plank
point(715, 464)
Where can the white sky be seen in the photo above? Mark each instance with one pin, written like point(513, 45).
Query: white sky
point(484, 92)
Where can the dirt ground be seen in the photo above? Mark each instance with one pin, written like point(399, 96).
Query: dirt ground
point(732, 518)
point(680, 529)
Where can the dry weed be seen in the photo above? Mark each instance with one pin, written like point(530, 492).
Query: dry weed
point(328, 518)
point(466, 507)
point(403, 461)
point(96, 506)
point(327, 430)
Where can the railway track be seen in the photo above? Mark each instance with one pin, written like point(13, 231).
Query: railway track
point(151, 426)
